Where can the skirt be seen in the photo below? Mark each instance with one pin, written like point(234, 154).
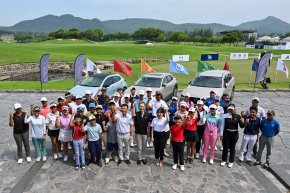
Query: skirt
point(65, 135)
point(190, 136)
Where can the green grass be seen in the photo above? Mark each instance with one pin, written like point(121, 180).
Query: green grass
point(67, 50)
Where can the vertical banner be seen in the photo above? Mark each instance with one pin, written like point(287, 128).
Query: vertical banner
point(78, 67)
point(43, 68)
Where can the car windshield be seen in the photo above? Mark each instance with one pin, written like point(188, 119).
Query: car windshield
point(92, 81)
point(207, 81)
point(149, 82)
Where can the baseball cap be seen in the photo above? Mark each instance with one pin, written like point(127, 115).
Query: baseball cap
point(256, 99)
point(36, 108)
point(141, 92)
point(116, 95)
point(183, 104)
point(80, 108)
point(191, 109)
point(187, 94)
point(52, 105)
point(88, 92)
point(126, 96)
point(65, 108)
point(17, 106)
point(79, 97)
point(99, 107)
point(199, 102)
point(158, 93)
point(177, 117)
point(149, 89)
point(60, 98)
point(92, 117)
point(213, 106)
point(272, 112)
point(92, 105)
point(232, 106)
point(174, 98)
point(43, 99)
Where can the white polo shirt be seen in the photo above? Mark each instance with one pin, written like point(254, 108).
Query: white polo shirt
point(123, 123)
point(160, 125)
point(155, 105)
point(38, 126)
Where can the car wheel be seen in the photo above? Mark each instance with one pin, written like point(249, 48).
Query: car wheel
point(233, 93)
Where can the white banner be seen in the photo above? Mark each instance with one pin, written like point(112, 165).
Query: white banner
point(239, 56)
point(180, 58)
point(285, 57)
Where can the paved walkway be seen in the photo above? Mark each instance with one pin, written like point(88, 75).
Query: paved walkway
point(57, 176)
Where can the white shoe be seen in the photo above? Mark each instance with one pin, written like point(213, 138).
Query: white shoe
point(230, 165)
point(197, 156)
point(132, 144)
point(103, 147)
point(69, 146)
point(148, 145)
point(59, 155)
point(38, 159)
point(165, 153)
point(223, 163)
point(20, 161)
point(44, 158)
point(107, 160)
point(55, 156)
point(215, 148)
point(116, 158)
point(211, 161)
point(182, 168)
point(28, 159)
point(168, 142)
point(222, 148)
point(174, 167)
point(203, 160)
point(65, 158)
point(151, 144)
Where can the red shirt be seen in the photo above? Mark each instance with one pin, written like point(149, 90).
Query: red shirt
point(177, 133)
point(77, 133)
point(191, 125)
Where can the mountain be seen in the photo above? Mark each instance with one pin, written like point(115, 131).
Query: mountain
point(50, 23)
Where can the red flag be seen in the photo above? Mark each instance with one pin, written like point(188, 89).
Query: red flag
point(122, 67)
point(227, 66)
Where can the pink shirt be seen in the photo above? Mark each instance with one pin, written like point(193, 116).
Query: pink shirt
point(64, 122)
point(44, 110)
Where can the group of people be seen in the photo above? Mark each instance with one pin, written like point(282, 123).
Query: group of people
point(115, 123)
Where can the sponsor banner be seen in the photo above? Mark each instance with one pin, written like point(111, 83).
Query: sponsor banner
point(285, 57)
point(205, 57)
point(180, 58)
point(239, 56)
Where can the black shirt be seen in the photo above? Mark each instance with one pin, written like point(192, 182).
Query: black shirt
point(232, 123)
point(19, 126)
point(141, 123)
point(103, 99)
point(252, 128)
point(100, 119)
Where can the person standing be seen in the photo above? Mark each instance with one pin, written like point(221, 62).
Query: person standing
point(112, 144)
point(80, 104)
point(187, 101)
point(270, 128)
point(149, 97)
point(103, 97)
point(88, 99)
point(200, 109)
point(20, 132)
point(60, 104)
point(173, 108)
point(229, 134)
point(38, 133)
point(141, 122)
point(210, 101)
point(124, 128)
point(159, 125)
point(212, 126)
point(44, 109)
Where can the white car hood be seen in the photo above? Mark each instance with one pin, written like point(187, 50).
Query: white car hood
point(201, 92)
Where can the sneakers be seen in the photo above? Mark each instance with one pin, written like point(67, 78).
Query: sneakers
point(204, 160)
point(55, 156)
point(148, 144)
point(258, 163)
point(215, 148)
point(65, 158)
point(38, 159)
point(144, 161)
point(20, 161)
point(197, 156)
point(69, 146)
point(230, 165)
point(165, 153)
point(28, 159)
point(83, 166)
point(107, 160)
point(119, 162)
point(59, 155)
point(182, 168)
point(127, 162)
point(223, 163)
point(138, 162)
point(77, 167)
point(211, 161)
point(174, 167)
point(44, 158)
point(151, 144)
point(116, 159)
point(221, 148)
point(132, 144)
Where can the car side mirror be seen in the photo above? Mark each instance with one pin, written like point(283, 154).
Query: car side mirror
point(164, 84)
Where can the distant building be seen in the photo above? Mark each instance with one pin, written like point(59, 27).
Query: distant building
point(268, 39)
point(283, 44)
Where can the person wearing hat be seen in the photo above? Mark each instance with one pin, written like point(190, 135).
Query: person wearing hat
point(149, 97)
point(187, 100)
point(220, 113)
point(103, 97)
point(172, 109)
point(65, 132)
point(202, 110)
point(44, 109)
point(177, 142)
point(38, 133)
point(229, 134)
point(116, 100)
point(81, 113)
point(212, 126)
point(80, 104)
point(92, 109)
point(182, 111)
point(20, 132)
point(126, 100)
point(70, 101)
point(251, 132)
point(120, 91)
point(95, 138)
point(139, 100)
point(53, 131)
point(100, 119)
point(133, 95)
point(190, 133)
point(61, 103)
point(269, 128)
point(88, 99)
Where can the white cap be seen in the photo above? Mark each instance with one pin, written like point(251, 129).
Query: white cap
point(60, 97)
point(79, 97)
point(231, 107)
point(174, 98)
point(116, 94)
point(65, 108)
point(213, 106)
point(43, 99)
point(149, 89)
point(199, 102)
point(88, 92)
point(92, 117)
point(191, 109)
point(99, 107)
point(141, 92)
point(53, 105)
point(187, 94)
point(17, 106)
point(182, 103)
point(126, 96)
point(256, 98)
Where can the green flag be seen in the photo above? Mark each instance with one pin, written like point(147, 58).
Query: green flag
point(203, 66)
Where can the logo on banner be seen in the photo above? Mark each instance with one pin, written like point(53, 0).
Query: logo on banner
point(180, 67)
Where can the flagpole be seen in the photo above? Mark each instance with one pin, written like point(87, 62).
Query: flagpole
point(141, 66)
point(276, 76)
point(250, 78)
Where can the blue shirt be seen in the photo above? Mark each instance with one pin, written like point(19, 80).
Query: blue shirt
point(270, 128)
point(93, 132)
point(138, 101)
point(253, 127)
point(209, 101)
point(172, 110)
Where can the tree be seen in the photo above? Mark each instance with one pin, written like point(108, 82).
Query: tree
point(23, 37)
point(179, 37)
point(233, 37)
point(150, 34)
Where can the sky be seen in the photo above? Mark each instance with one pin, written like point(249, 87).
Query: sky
point(229, 12)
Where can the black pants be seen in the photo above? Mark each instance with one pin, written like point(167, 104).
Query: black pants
point(200, 131)
point(159, 144)
point(22, 139)
point(229, 143)
point(178, 152)
point(95, 149)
